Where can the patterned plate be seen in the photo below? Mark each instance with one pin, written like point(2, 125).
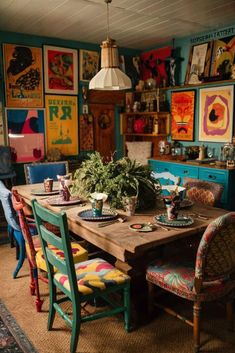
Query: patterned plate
point(41, 192)
point(185, 203)
point(107, 215)
point(141, 227)
point(181, 221)
point(58, 201)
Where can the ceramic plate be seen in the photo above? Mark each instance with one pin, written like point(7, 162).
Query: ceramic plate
point(185, 203)
point(107, 215)
point(42, 192)
point(58, 201)
point(141, 227)
point(181, 221)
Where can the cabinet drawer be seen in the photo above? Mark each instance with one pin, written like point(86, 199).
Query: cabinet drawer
point(185, 171)
point(217, 176)
point(160, 167)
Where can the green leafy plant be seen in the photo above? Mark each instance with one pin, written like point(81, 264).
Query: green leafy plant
point(117, 179)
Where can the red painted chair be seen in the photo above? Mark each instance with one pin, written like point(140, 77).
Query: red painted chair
point(212, 277)
point(34, 251)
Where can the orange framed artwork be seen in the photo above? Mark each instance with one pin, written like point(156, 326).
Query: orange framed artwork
point(182, 115)
point(23, 76)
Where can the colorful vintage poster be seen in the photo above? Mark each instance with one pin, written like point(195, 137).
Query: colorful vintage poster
point(26, 133)
point(182, 115)
point(86, 128)
point(62, 123)
point(216, 114)
point(89, 64)
point(60, 70)
point(23, 76)
point(223, 57)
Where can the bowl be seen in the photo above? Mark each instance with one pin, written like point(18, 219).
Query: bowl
point(168, 189)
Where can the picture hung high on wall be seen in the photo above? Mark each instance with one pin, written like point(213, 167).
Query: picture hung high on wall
point(216, 114)
point(223, 57)
point(25, 128)
point(61, 124)
point(89, 64)
point(182, 115)
point(23, 76)
point(198, 63)
point(60, 70)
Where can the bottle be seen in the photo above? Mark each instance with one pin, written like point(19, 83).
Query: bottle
point(156, 126)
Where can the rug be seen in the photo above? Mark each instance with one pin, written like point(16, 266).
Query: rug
point(12, 338)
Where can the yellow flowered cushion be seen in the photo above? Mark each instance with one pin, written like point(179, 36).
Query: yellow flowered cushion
point(93, 275)
point(79, 254)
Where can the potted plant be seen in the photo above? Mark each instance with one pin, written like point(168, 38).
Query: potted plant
point(117, 179)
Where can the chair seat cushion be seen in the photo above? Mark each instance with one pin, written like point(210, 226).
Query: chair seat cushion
point(178, 277)
point(93, 275)
point(79, 254)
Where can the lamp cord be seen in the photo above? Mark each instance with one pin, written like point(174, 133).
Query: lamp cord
point(107, 20)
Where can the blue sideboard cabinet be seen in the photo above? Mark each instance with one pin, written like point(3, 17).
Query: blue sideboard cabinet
point(226, 177)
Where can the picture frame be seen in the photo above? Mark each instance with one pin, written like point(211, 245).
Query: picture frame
point(223, 60)
point(60, 70)
point(25, 130)
point(216, 114)
point(89, 64)
point(61, 123)
point(198, 63)
point(23, 76)
point(183, 115)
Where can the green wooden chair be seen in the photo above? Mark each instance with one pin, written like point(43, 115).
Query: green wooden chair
point(82, 282)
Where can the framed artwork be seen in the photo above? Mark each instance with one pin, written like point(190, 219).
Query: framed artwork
point(62, 123)
point(25, 129)
point(216, 114)
point(182, 115)
point(198, 63)
point(89, 64)
point(223, 57)
point(23, 76)
point(86, 129)
point(60, 70)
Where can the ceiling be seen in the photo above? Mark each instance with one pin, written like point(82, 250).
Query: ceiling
point(138, 24)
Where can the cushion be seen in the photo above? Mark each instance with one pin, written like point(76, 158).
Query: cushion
point(93, 275)
point(140, 151)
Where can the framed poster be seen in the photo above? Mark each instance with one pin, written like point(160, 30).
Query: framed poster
point(23, 76)
point(182, 115)
point(89, 64)
point(26, 133)
point(62, 123)
point(60, 70)
point(216, 114)
point(198, 63)
point(223, 57)
point(86, 129)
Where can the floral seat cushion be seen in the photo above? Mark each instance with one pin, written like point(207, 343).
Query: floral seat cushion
point(93, 275)
point(178, 277)
point(79, 254)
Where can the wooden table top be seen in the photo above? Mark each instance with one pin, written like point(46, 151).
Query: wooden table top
point(117, 239)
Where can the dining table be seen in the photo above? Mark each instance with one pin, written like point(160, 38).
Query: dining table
point(132, 248)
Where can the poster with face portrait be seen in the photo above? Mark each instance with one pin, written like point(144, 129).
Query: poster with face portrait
point(182, 115)
point(216, 114)
point(23, 76)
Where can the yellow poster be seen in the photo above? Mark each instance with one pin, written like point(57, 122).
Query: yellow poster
point(23, 76)
point(62, 123)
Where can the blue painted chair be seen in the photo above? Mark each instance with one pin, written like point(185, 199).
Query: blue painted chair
point(37, 172)
point(7, 172)
point(13, 225)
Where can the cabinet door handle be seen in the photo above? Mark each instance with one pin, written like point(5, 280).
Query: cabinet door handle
point(166, 170)
point(212, 176)
point(185, 172)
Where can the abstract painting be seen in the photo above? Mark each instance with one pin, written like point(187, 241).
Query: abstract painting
point(182, 115)
point(89, 64)
point(60, 70)
point(26, 133)
point(216, 114)
point(62, 124)
point(223, 57)
point(23, 76)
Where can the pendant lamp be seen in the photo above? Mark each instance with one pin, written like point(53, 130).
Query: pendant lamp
point(110, 77)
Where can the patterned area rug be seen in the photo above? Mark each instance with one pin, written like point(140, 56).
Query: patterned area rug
point(12, 338)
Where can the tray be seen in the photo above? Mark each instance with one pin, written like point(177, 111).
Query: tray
point(185, 203)
point(181, 221)
point(141, 227)
point(58, 201)
point(41, 192)
point(107, 215)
